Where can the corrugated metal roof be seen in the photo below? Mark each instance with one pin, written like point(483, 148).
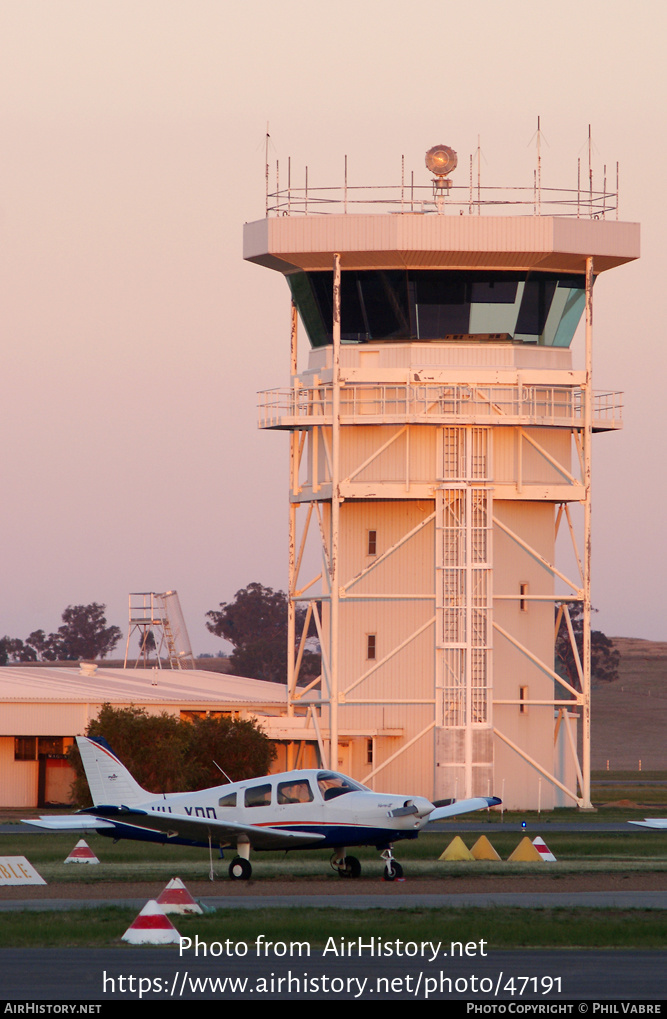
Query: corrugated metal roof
point(32, 684)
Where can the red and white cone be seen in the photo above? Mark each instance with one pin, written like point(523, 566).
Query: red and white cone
point(82, 853)
point(544, 850)
point(177, 899)
point(151, 927)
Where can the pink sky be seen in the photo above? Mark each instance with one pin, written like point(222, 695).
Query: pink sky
point(134, 336)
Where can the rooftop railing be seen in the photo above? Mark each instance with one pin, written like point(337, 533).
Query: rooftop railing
point(578, 203)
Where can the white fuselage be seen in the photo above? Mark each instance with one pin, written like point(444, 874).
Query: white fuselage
point(320, 802)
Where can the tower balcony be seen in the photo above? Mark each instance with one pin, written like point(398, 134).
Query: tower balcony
point(437, 404)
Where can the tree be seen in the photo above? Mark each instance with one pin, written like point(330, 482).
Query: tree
point(84, 634)
point(169, 754)
point(604, 656)
point(255, 623)
point(238, 746)
point(41, 646)
point(147, 645)
point(6, 649)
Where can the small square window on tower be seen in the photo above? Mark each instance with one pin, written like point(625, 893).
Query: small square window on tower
point(523, 600)
point(371, 647)
point(523, 698)
point(372, 543)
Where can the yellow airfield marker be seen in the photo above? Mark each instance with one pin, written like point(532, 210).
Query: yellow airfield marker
point(456, 850)
point(483, 850)
point(525, 852)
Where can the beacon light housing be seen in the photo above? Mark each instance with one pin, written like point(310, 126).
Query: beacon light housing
point(441, 160)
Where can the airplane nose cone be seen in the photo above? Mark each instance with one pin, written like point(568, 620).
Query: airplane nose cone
point(424, 806)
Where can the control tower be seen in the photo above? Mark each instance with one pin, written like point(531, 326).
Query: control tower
point(440, 444)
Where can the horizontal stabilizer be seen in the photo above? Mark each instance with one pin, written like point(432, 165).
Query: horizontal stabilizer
point(464, 807)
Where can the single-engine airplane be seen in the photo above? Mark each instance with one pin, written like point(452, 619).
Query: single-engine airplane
point(315, 809)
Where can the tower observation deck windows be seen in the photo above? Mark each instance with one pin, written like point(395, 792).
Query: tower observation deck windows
point(433, 304)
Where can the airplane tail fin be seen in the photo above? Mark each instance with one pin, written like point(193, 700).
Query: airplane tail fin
point(110, 782)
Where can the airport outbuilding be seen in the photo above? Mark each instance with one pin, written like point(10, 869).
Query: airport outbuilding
point(43, 708)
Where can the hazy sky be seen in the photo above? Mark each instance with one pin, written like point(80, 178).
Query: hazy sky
point(134, 338)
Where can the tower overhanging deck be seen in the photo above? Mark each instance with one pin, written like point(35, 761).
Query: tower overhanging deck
point(432, 442)
point(418, 241)
point(530, 384)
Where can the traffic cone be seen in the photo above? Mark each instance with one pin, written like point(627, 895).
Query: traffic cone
point(177, 899)
point(456, 850)
point(151, 927)
point(82, 853)
point(525, 852)
point(544, 850)
point(483, 850)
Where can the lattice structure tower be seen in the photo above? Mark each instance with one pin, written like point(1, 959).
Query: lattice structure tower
point(440, 438)
point(159, 614)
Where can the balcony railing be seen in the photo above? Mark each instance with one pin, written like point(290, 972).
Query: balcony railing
point(546, 406)
point(409, 197)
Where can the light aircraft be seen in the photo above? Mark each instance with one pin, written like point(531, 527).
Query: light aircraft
point(315, 809)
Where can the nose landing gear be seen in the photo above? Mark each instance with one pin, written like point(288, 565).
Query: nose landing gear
point(393, 870)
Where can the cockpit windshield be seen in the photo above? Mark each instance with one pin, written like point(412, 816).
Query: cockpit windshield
point(331, 784)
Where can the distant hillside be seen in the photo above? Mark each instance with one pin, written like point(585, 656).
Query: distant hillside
point(629, 716)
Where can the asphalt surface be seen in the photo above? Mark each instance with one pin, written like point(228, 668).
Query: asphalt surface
point(527, 900)
point(551, 977)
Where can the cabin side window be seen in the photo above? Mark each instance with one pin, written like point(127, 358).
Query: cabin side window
point(258, 796)
point(227, 801)
point(295, 792)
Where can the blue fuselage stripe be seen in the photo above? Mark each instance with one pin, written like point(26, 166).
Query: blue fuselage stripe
point(334, 836)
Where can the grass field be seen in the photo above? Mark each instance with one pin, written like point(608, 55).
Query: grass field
point(634, 851)
point(506, 928)
point(637, 850)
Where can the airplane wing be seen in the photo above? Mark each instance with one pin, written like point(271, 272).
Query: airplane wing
point(463, 807)
point(651, 822)
point(226, 832)
point(68, 823)
point(178, 825)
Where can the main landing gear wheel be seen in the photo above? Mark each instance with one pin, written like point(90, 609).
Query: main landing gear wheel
point(351, 867)
point(240, 869)
point(393, 871)
point(346, 866)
